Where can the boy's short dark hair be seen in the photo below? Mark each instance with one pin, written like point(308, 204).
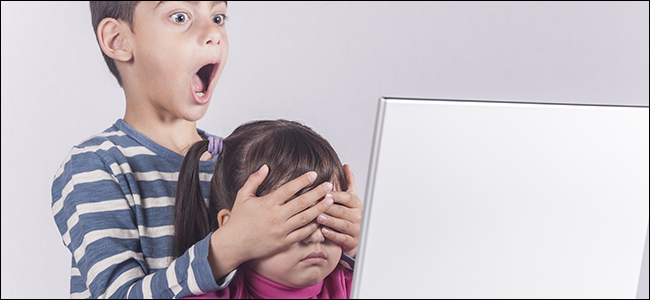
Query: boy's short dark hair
point(119, 10)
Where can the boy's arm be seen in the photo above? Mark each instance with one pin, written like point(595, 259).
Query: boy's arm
point(97, 222)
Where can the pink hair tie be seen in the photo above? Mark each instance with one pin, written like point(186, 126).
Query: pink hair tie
point(215, 145)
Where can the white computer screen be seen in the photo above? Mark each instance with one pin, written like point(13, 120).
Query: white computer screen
point(479, 199)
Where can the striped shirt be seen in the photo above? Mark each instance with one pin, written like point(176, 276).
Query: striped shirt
point(113, 203)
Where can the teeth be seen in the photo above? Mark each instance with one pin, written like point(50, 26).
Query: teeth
point(200, 94)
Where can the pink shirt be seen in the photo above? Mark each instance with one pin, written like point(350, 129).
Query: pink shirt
point(249, 285)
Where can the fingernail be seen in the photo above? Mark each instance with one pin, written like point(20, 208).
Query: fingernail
point(312, 176)
point(261, 168)
point(313, 204)
point(329, 202)
point(322, 219)
point(325, 232)
point(328, 187)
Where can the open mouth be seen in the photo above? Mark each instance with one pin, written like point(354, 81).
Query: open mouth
point(202, 79)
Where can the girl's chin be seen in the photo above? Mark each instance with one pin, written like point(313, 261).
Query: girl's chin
point(308, 281)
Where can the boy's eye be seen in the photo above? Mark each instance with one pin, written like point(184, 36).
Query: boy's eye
point(219, 19)
point(180, 17)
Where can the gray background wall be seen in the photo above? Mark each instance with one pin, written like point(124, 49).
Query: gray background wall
point(322, 63)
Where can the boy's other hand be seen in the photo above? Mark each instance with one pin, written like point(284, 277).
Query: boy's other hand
point(266, 225)
point(344, 220)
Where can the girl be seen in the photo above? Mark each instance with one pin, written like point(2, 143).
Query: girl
point(307, 269)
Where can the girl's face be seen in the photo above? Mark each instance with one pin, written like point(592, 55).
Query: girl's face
point(302, 264)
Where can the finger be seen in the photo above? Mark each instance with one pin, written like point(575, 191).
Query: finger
point(347, 199)
point(287, 190)
point(308, 199)
point(341, 225)
point(352, 187)
point(346, 241)
point(301, 233)
point(345, 213)
point(253, 182)
point(308, 215)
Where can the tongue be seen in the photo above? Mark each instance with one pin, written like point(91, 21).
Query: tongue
point(197, 84)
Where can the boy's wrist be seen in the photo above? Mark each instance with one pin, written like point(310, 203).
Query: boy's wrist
point(352, 253)
point(223, 257)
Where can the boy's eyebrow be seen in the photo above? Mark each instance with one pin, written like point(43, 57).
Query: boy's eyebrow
point(214, 3)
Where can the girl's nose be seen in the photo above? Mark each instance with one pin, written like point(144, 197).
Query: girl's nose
point(315, 237)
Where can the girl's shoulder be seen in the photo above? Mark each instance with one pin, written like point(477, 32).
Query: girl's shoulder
point(338, 284)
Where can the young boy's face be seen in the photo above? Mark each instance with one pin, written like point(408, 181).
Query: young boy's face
point(179, 50)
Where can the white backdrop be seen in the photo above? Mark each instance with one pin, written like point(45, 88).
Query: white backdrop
point(322, 63)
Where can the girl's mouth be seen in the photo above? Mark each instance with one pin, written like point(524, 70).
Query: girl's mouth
point(314, 258)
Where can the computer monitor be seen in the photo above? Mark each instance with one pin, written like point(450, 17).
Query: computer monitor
point(486, 199)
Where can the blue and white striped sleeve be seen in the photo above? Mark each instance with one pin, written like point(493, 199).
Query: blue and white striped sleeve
point(347, 261)
point(98, 224)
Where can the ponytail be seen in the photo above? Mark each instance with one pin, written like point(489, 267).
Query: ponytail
point(191, 221)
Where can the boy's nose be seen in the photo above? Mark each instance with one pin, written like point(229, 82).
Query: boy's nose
point(315, 237)
point(210, 33)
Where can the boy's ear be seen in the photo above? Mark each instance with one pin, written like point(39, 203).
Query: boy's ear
point(223, 216)
point(112, 37)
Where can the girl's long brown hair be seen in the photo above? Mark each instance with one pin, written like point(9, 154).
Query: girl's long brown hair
point(288, 148)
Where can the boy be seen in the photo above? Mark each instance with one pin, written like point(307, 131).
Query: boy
point(113, 196)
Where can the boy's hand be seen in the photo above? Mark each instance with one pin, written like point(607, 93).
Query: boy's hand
point(344, 219)
point(262, 226)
